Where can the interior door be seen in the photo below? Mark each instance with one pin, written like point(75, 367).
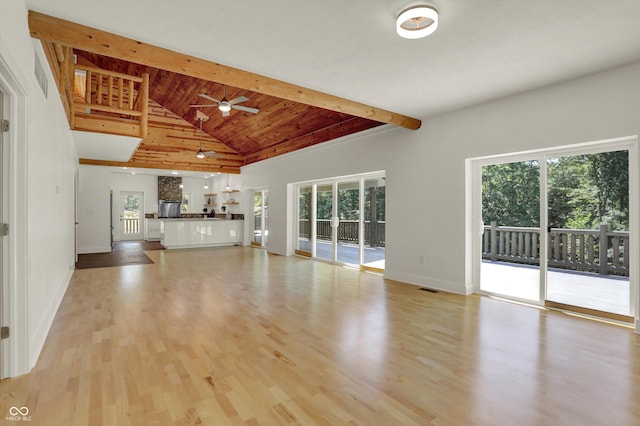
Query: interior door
point(131, 215)
point(511, 238)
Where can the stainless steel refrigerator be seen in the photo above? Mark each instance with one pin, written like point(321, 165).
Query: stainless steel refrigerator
point(169, 208)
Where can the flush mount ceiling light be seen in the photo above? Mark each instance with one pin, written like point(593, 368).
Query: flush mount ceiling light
point(417, 22)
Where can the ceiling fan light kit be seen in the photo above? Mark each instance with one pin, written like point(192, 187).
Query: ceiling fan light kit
point(226, 105)
point(417, 22)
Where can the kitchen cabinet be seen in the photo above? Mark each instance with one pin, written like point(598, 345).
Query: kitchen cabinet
point(152, 229)
point(207, 232)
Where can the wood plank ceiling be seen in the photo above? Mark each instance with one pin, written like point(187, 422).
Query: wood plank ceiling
point(289, 118)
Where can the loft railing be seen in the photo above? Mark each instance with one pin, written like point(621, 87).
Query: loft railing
point(347, 232)
point(120, 100)
point(600, 250)
point(98, 100)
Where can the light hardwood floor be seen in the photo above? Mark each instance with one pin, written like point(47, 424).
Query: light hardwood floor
point(236, 336)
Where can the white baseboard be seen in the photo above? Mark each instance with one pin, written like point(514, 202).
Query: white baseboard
point(432, 283)
point(40, 336)
point(91, 250)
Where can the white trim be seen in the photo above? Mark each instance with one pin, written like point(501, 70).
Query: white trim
point(431, 283)
point(120, 214)
point(92, 250)
point(473, 196)
point(16, 347)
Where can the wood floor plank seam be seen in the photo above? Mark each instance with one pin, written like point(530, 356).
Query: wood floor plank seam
point(230, 336)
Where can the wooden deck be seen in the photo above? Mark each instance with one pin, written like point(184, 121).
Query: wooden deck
point(347, 253)
point(590, 290)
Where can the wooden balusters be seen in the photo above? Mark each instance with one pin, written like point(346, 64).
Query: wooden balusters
point(111, 97)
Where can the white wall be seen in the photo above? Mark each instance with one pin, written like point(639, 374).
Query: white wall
point(95, 182)
point(43, 163)
point(425, 169)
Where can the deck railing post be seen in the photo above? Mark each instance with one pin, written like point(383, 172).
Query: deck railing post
point(494, 242)
point(603, 249)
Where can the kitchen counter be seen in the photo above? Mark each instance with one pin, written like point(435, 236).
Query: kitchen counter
point(200, 232)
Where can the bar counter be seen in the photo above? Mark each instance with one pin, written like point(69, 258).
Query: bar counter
point(200, 232)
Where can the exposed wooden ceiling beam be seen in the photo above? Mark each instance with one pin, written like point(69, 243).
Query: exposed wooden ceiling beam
point(49, 28)
point(169, 165)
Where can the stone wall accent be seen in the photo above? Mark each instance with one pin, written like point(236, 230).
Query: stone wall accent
point(169, 188)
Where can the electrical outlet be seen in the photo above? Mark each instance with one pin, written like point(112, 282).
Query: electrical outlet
point(421, 260)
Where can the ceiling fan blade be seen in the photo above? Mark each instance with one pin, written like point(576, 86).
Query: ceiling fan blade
point(210, 154)
point(225, 113)
point(202, 95)
point(203, 105)
point(238, 100)
point(244, 108)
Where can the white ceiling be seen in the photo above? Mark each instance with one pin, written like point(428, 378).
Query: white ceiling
point(483, 49)
point(100, 146)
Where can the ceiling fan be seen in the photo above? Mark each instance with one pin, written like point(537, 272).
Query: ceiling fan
point(225, 105)
point(201, 153)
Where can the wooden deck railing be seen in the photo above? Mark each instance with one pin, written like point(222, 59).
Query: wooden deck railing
point(600, 250)
point(348, 231)
point(130, 226)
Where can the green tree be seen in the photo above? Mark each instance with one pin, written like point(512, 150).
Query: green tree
point(510, 194)
point(583, 192)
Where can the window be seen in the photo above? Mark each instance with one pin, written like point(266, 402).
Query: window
point(185, 202)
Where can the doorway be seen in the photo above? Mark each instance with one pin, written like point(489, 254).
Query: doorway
point(588, 232)
point(2, 241)
point(260, 236)
point(555, 228)
point(511, 241)
point(342, 220)
point(131, 215)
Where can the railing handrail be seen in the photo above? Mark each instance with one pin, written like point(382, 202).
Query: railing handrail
point(114, 93)
point(599, 250)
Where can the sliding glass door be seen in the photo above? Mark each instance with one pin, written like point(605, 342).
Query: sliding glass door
point(303, 227)
point(555, 229)
point(324, 247)
point(343, 220)
point(373, 253)
point(260, 219)
point(511, 232)
point(589, 249)
point(348, 222)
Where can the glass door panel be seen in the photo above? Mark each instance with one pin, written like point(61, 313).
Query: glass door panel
point(131, 215)
point(374, 223)
point(324, 231)
point(305, 209)
point(511, 239)
point(265, 218)
point(348, 232)
point(257, 219)
point(588, 250)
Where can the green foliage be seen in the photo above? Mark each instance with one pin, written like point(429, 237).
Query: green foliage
point(510, 194)
point(583, 192)
point(348, 202)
